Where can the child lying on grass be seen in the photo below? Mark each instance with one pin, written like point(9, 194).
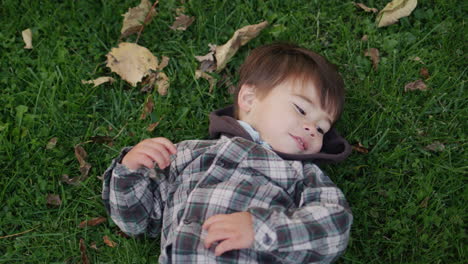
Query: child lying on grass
point(253, 193)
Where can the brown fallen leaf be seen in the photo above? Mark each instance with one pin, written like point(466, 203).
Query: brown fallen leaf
point(84, 256)
point(92, 222)
point(395, 10)
point(93, 246)
point(131, 62)
point(109, 242)
point(435, 147)
point(416, 85)
point(243, 35)
point(199, 74)
point(365, 8)
point(424, 72)
point(208, 61)
point(81, 156)
point(373, 53)
point(365, 38)
point(152, 126)
point(53, 200)
point(182, 22)
point(102, 139)
point(360, 148)
point(162, 82)
point(136, 18)
point(148, 107)
point(98, 81)
point(52, 143)
point(424, 202)
point(27, 38)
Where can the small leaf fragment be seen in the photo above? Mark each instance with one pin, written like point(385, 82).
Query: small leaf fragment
point(93, 246)
point(27, 38)
point(84, 256)
point(98, 81)
point(131, 62)
point(182, 22)
point(200, 74)
point(109, 242)
point(373, 53)
point(53, 200)
point(162, 83)
point(92, 222)
point(152, 126)
point(395, 10)
point(435, 147)
point(424, 202)
point(360, 148)
point(102, 139)
point(424, 72)
point(416, 85)
point(365, 38)
point(136, 18)
point(81, 156)
point(208, 61)
point(365, 8)
point(148, 107)
point(52, 143)
point(164, 63)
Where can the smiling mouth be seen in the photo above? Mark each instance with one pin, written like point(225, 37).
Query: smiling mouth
point(302, 145)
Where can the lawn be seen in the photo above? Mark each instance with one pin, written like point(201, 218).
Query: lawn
point(408, 200)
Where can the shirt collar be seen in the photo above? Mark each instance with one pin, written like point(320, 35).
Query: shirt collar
point(254, 134)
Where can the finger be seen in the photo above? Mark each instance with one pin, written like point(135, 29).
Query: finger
point(217, 235)
point(159, 150)
point(226, 245)
point(213, 219)
point(146, 161)
point(153, 156)
point(167, 143)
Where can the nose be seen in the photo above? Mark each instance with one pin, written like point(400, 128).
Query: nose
point(310, 129)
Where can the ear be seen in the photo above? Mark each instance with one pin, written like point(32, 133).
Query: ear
point(246, 97)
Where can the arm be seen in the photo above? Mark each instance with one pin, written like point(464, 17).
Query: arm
point(131, 196)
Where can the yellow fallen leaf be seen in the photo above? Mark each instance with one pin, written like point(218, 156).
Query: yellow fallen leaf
point(131, 62)
point(395, 10)
point(98, 81)
point(243, 35)
point(27, 38)
point(136, 18)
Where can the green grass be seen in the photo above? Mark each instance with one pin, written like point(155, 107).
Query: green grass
point(409, 203)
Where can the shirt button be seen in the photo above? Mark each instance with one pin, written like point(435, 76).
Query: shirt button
point(187, 221)
point(221, 163)
point(267, 240)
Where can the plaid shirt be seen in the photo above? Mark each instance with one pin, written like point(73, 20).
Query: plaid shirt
point(299, 214)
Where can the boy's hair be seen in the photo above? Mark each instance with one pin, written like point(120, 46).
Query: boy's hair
point(268, 66)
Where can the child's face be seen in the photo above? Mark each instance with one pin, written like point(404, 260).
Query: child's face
point(289, 118)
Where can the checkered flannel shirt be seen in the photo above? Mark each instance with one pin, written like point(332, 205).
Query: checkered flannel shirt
point(299, 214)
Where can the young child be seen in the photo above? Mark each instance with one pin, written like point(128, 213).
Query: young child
point(252, 194)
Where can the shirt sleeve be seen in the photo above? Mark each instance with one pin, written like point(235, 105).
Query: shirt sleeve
point(317, 231)
point(132, 198)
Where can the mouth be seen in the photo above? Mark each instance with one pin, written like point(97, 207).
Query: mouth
point(301, 144)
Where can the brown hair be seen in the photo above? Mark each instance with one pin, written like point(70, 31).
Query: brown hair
point(268, 66)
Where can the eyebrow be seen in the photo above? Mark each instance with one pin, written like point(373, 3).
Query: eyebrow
point(312, 103)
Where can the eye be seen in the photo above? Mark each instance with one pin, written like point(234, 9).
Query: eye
point(302, 112)
point(320, 130)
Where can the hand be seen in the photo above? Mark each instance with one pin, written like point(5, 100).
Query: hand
point(149, 151)
point(235, 230)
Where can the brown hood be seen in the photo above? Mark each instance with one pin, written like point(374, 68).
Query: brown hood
point(335, 148)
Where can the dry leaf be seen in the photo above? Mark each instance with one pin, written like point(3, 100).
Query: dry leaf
point(164, 63)
point(98, 81)
point(163, 83)
point(424, 72)
point(148, 107)
point(109, 242)
point(81, 156)
point(225, 52)
point(365, 38)
point(373, 53)
point(360, 148)
point(27, 38)
point(152, 126)
point(416, 85)
point(131, 62)
point(102, 139)
point(92, 222)
point(53, 200)
point(208, 61)
point(136, 18)
point(199, 74)
point(93, 246)
point(418, 60)
point(84, 256)
point(394, 11)
point(424, 202)
point(365, 8)
point(436, 147)
point(52, 142)
point(182, 22)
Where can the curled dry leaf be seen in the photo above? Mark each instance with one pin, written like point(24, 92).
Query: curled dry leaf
point(373, 53)
point(136, 18)
point(162, 83)
point(152, 126)
point(395, 10)
point(424, 72)
point(365, 8)
point(99, 81)
point(84, 256)
point(148, 107)
point(92, 222)
point(182, 22)
point(208, 61)
point(109, 242)
point(52, 143)
point(81, 156)
point(416, 85)
point(53, 200)
point(435, 147)
point(131, 62)
point(360, 148)
point(27, 38)
point(199, 74)
point(93, 246)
